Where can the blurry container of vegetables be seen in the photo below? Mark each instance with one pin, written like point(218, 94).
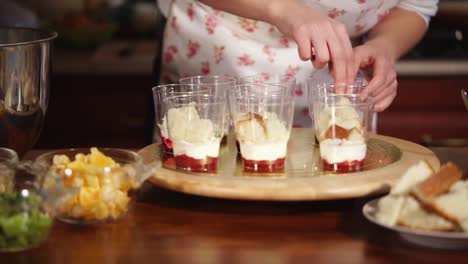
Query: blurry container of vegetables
point(26, 211)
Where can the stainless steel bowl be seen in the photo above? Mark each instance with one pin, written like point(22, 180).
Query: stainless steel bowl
point(24, 85)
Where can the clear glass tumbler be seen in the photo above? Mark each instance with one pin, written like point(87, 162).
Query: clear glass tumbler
point(196, 124)
point(161, 93)
point(262, 115)
point(266, 78)
point(342, 115)
point(220, 85)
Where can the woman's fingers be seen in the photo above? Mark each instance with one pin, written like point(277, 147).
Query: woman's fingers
point(383, 83)
point(303, 43)
point(384, 99)
point(384, 94)
point(390, 78)
point(324, 41)
point(338, 59)
point(330, 43)
point(343, 38)
point(379, 77)
point(319, 43)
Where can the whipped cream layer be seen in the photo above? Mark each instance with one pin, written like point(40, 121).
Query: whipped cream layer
point(197, 151)
point(191, 135)
point(263, 151)
point(339, 150)
point(260, 128)
point(261, 136)
point(163, 129)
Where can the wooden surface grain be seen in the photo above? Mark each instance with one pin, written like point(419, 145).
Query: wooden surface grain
point(169, 227)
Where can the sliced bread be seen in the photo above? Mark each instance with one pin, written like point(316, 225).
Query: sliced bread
point(412, 215)
point(439, 183)
point(414, 175)
point(453, 205)
point(389, 208)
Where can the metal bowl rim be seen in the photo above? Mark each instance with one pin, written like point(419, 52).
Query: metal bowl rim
point(52, 36)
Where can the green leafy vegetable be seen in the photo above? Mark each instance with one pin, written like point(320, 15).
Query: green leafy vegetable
point(22, 223)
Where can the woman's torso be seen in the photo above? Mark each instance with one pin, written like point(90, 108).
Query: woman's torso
point(199, 40)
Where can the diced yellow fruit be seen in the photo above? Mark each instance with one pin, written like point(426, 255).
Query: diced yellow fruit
point(60, 160)
point(103, 192)
point(101, 211)
point(99, 159)
point(81, 157)
point(89, 197)
point(77, 165)
point(91, 181)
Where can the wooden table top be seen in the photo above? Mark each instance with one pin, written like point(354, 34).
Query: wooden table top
point(169, 227)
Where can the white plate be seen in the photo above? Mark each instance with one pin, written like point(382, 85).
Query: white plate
point(441, 240)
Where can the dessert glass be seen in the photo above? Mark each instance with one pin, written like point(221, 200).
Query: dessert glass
point(342, 115)
point(262, 115)
point(196, 124)
point(216, 83)
point(266, 78)
point(219, 85)
point(162, 92)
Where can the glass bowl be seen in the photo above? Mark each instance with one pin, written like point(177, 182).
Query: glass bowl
point(104, 180)
point(8, 163)
point(24, 221)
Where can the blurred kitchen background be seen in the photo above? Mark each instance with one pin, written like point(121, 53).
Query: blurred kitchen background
point(107, 50)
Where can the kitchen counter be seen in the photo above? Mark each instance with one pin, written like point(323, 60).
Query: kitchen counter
point(170, 227)
point(136, 58)
point(432, 67)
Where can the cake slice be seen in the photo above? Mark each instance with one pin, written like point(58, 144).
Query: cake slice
point(355, 135)
point(464, 225)
point(252, 128)
point(389, 208)
point(414, 175)
point(412, 215)
point(439, 183)
point(453, 205)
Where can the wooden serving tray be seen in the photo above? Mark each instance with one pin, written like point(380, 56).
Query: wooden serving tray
point(304, 179)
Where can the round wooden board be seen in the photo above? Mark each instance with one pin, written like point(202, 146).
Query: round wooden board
point(300, 186)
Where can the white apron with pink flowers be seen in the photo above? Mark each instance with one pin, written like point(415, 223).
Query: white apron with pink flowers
point(199, 40)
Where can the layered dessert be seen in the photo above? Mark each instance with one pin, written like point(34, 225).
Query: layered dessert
point(262, 140)
point(227, 128)
point(166, 141)
point(341, 137)
point(195, 143)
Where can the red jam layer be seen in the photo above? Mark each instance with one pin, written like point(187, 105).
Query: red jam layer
point(263, 166)
point(167, 145)
point(346, 166)
point(168, 161)
point(209, 164)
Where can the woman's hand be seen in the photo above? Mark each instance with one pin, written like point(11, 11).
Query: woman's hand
point(319, 37)
point(379, 67)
